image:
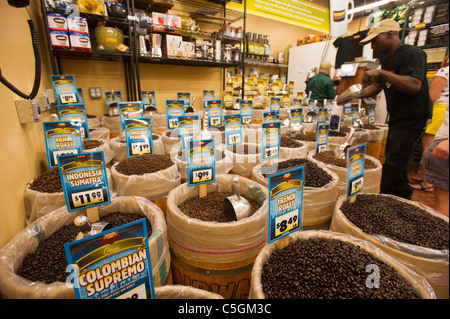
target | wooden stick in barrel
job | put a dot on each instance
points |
(92, 214)
(202, 190)
(283, 242)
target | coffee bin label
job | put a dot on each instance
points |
(109, 98)
(62, 138)
(129, 110)
(113, 264)
(270, 143)
(275, 105)
(188, 127)
(84, 180)
(297, 115)
(233, 129)
(269, 116)
(214, 113)
(208, 95)
(201, 162)
(285, 203)
(322, 137)
(148, 98)
(371, 114)
(185, 97)
(322, 115)
(75, 113)
(246, 109)
(355, 169)
(65, 89)
(174, 109)
(139, 138)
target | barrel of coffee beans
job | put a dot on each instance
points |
(93, 121)
(119, 146)
(211, 250)
(171, 140)
(99, 145)
(224, 163)
(329, 265)
(292, 148)
(45, 193)
(150, 175)
(33, 264)
(245, 156)
(159, 123)
(372, 136)
(410, 232)
(112, 123)
(310, 139)
(183, 292)
(319, 193)
(372, 170)
(99, 132)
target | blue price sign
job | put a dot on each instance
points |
(270, 143)
(139, 138)
(355, 169)
(84, 180)
(201, 162)
(285, 202)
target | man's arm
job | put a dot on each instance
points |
(403, 83)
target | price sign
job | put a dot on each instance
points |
(75, 113)
(113, 264)
(275, 105)
(201, 162)
(214, 113)
(109, 98)
(228, 99)
(208, 95)
(355, 169)
(129, 110)
(371, 114)
(148, 98)
(185, 97)
(322, 137)
(233, 129)
(65, 89)
(188, 126)
(297, 115)
(174, 109)
(285, 203)
(297, 102)
(62, 138)
(270, 143)
(322, 116)
(84, 180)
(139, 138)
(269, 116)
(246, 110)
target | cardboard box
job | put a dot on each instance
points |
(80, 40)
(77, 24)
(57, 21)
(59, 39)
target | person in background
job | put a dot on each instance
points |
(321, 85)
(403, 78)
(439, 96)
(436, 166)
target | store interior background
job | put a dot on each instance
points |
(23, 146)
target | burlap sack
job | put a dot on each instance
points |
(430, 263)
(421, 286)
(151, 185)
(244, 163)
(214, 242)
(38, 204)
(183, 292)
(372, 177)
(26, 241)
(99, 132)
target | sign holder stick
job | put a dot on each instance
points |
(202, 190)
(92, 214)
(283, 242)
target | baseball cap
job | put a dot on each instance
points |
(381, 27)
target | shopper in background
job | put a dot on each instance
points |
(439, 96)
(321, 85)
(436, 166)
(403, 78)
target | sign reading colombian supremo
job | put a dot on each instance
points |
(311, 14)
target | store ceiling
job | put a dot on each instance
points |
(390, 5)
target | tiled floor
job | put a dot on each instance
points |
(426, 198)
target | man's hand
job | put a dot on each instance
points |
(371, 76)
(441, 150)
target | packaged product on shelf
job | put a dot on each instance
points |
(173, 44)
(77, 24)
(80, 41)
(59, 39)
(204, 49)
(159, 20)
(57, 21)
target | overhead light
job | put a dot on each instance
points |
(369, 6)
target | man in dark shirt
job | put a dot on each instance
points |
(403, 79)
(321, 85)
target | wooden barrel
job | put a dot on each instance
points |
(214, 256)
(435, 270)
(318, 203)
(420, 285)
(26, 241)
(183, 292)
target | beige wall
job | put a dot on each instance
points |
(23, 145)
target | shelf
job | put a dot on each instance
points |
(188, 62)
(94, 54)
(268, 64)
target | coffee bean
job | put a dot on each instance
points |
(48, 262)
(313, 175)
(321, 268)
(143, 164)
(396, 219)
(328, 157)
(210, 207)
(48, 182)
(90, 144)
(288, 142)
